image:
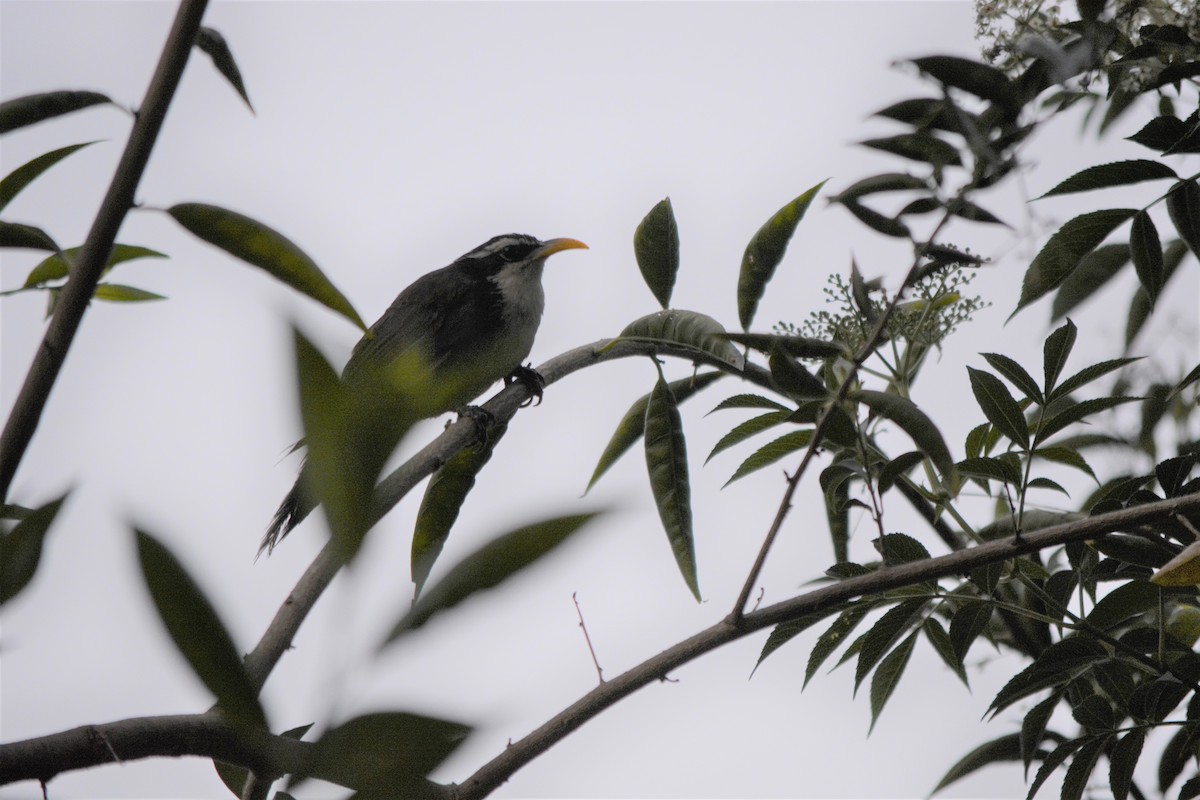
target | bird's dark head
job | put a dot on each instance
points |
(510, 253)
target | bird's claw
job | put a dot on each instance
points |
(531, 379)
(481, 418)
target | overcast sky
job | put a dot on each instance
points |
(390, 138)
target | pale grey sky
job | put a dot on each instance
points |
(390, 138)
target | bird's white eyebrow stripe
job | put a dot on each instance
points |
(491, 248)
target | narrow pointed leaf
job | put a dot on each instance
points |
(495, 562)
(1120, 173)
(1016, 375)
(1122, 759)
(771, 452)
(1093, 272)
(881, 223)
(1050, 763)
(21, 549)
(758, 401)
(197, 631)
(1076, 779)
(28, 172)
(764, 252)
(33, 108)
(58, 266)
(213, 43)
(887, 676)
(263, 247)
(1080, 411)
(898, 466)
(1055, 352)
(748, 428)
(914, 422)
(884, 633)
(887, 182)
(656, 248)
(666, 462)
(793, 378)
(444, 496)
(1087, 375)
(688, 328)
(784, 632)
(834, 637)
(967, 624)
(918, 147)
(16, 234)
(633, 424)
(386, 754)
(1064, 251)
(998, 751)
(940, 640)
(794, 346)
(1146, 249)
(120, 293)
(993, 469)
(1033, 726)
(1068, 456)
(982, 80)
(1183, 206)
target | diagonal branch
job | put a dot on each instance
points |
(85, 273)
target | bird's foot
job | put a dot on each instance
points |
(531, 379)
(482, 419)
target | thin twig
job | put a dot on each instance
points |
(86, 271)
(588, 639)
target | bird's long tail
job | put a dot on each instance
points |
(291, 512)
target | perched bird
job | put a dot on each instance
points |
(463, 327)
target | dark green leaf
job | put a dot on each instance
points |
(58, 266)
(488, 566)
(1066, 249)
(967, 624)
(1056, 351)
(900, 465)
(1180, 749)
(1052, 762)
(1016, 375)
(633, 424)
(1188, 380)
(1120, 173)
(1081, 767)
(998, 751)
(1080, 411)
(21, 549)
(1066, 455)
(1163, 133)
(1087, 375)
(834, 637)
(942, 645)
(750, 427)
(1139, 307)
(900, 548)
(968, 210)
(928, 112)
(1047, 483)
(884, 633)
(193, 625)
(213, 43)
(888, 226)
(234, 777)
(1134, 550)
(1095, 270)
(259, 245)
(1183, 206)
(688, 328)
(914, 422)
(444, 496)
(771, 452)
(982, 80)
(999, 406)
(119, 293)
(656, 248)
(793, 378)
(887, 182)
(784, 632)
(386, 752)
(16, 234)
(25, 174)
(27, 110)
(764, 252)
(666, 462)
(1127, 601)
(794, 346)
(887, 676)
(1122, 759)
(918, 147)
(987, 468)
(1147, 253)
(1033, 726)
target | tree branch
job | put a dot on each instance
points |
(85, 273)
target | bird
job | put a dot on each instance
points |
(464, 327)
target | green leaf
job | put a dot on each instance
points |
(58, 266)
(633, 424)
(1068, 456)
(887, 676)
(887, 182)
(918, 147)
(1079, 411)
(263, 247)
(1055, 352)
(488, 566)
(666, 462)
(1052, 762)
(764, 252)
(1122, 759)
(884, 633)
(1183, 206)
(784, 632)
(16, 234)
(119, 293)
(1120, 173)
(758, 401)
(21, 549)
(913, 421)
(968, 210)
(900, 548)
(1016, 375)
(928, 112)
(1139, 307)
(1076, 779)
(25, 174)
(881, 223)
(1033, 726)
(1047, 483)
(213, 43)
(793, 378)
(1130, 600)
(1147, 253)
(748, 428)
(834, 636)
(993, 469)
(687, 328)
(444, 496)
(900, 465)
(386, 752)
(771, 452)
(997, 751)
(1087, 375)
(235, 777)
(942, 645)
(794, 346)
(1093, 272)
(197, 631)
(656, 247)
(967, 624)
(33, 108)
(1066, 249)
(982, 80)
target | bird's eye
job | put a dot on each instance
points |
(513, 252)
